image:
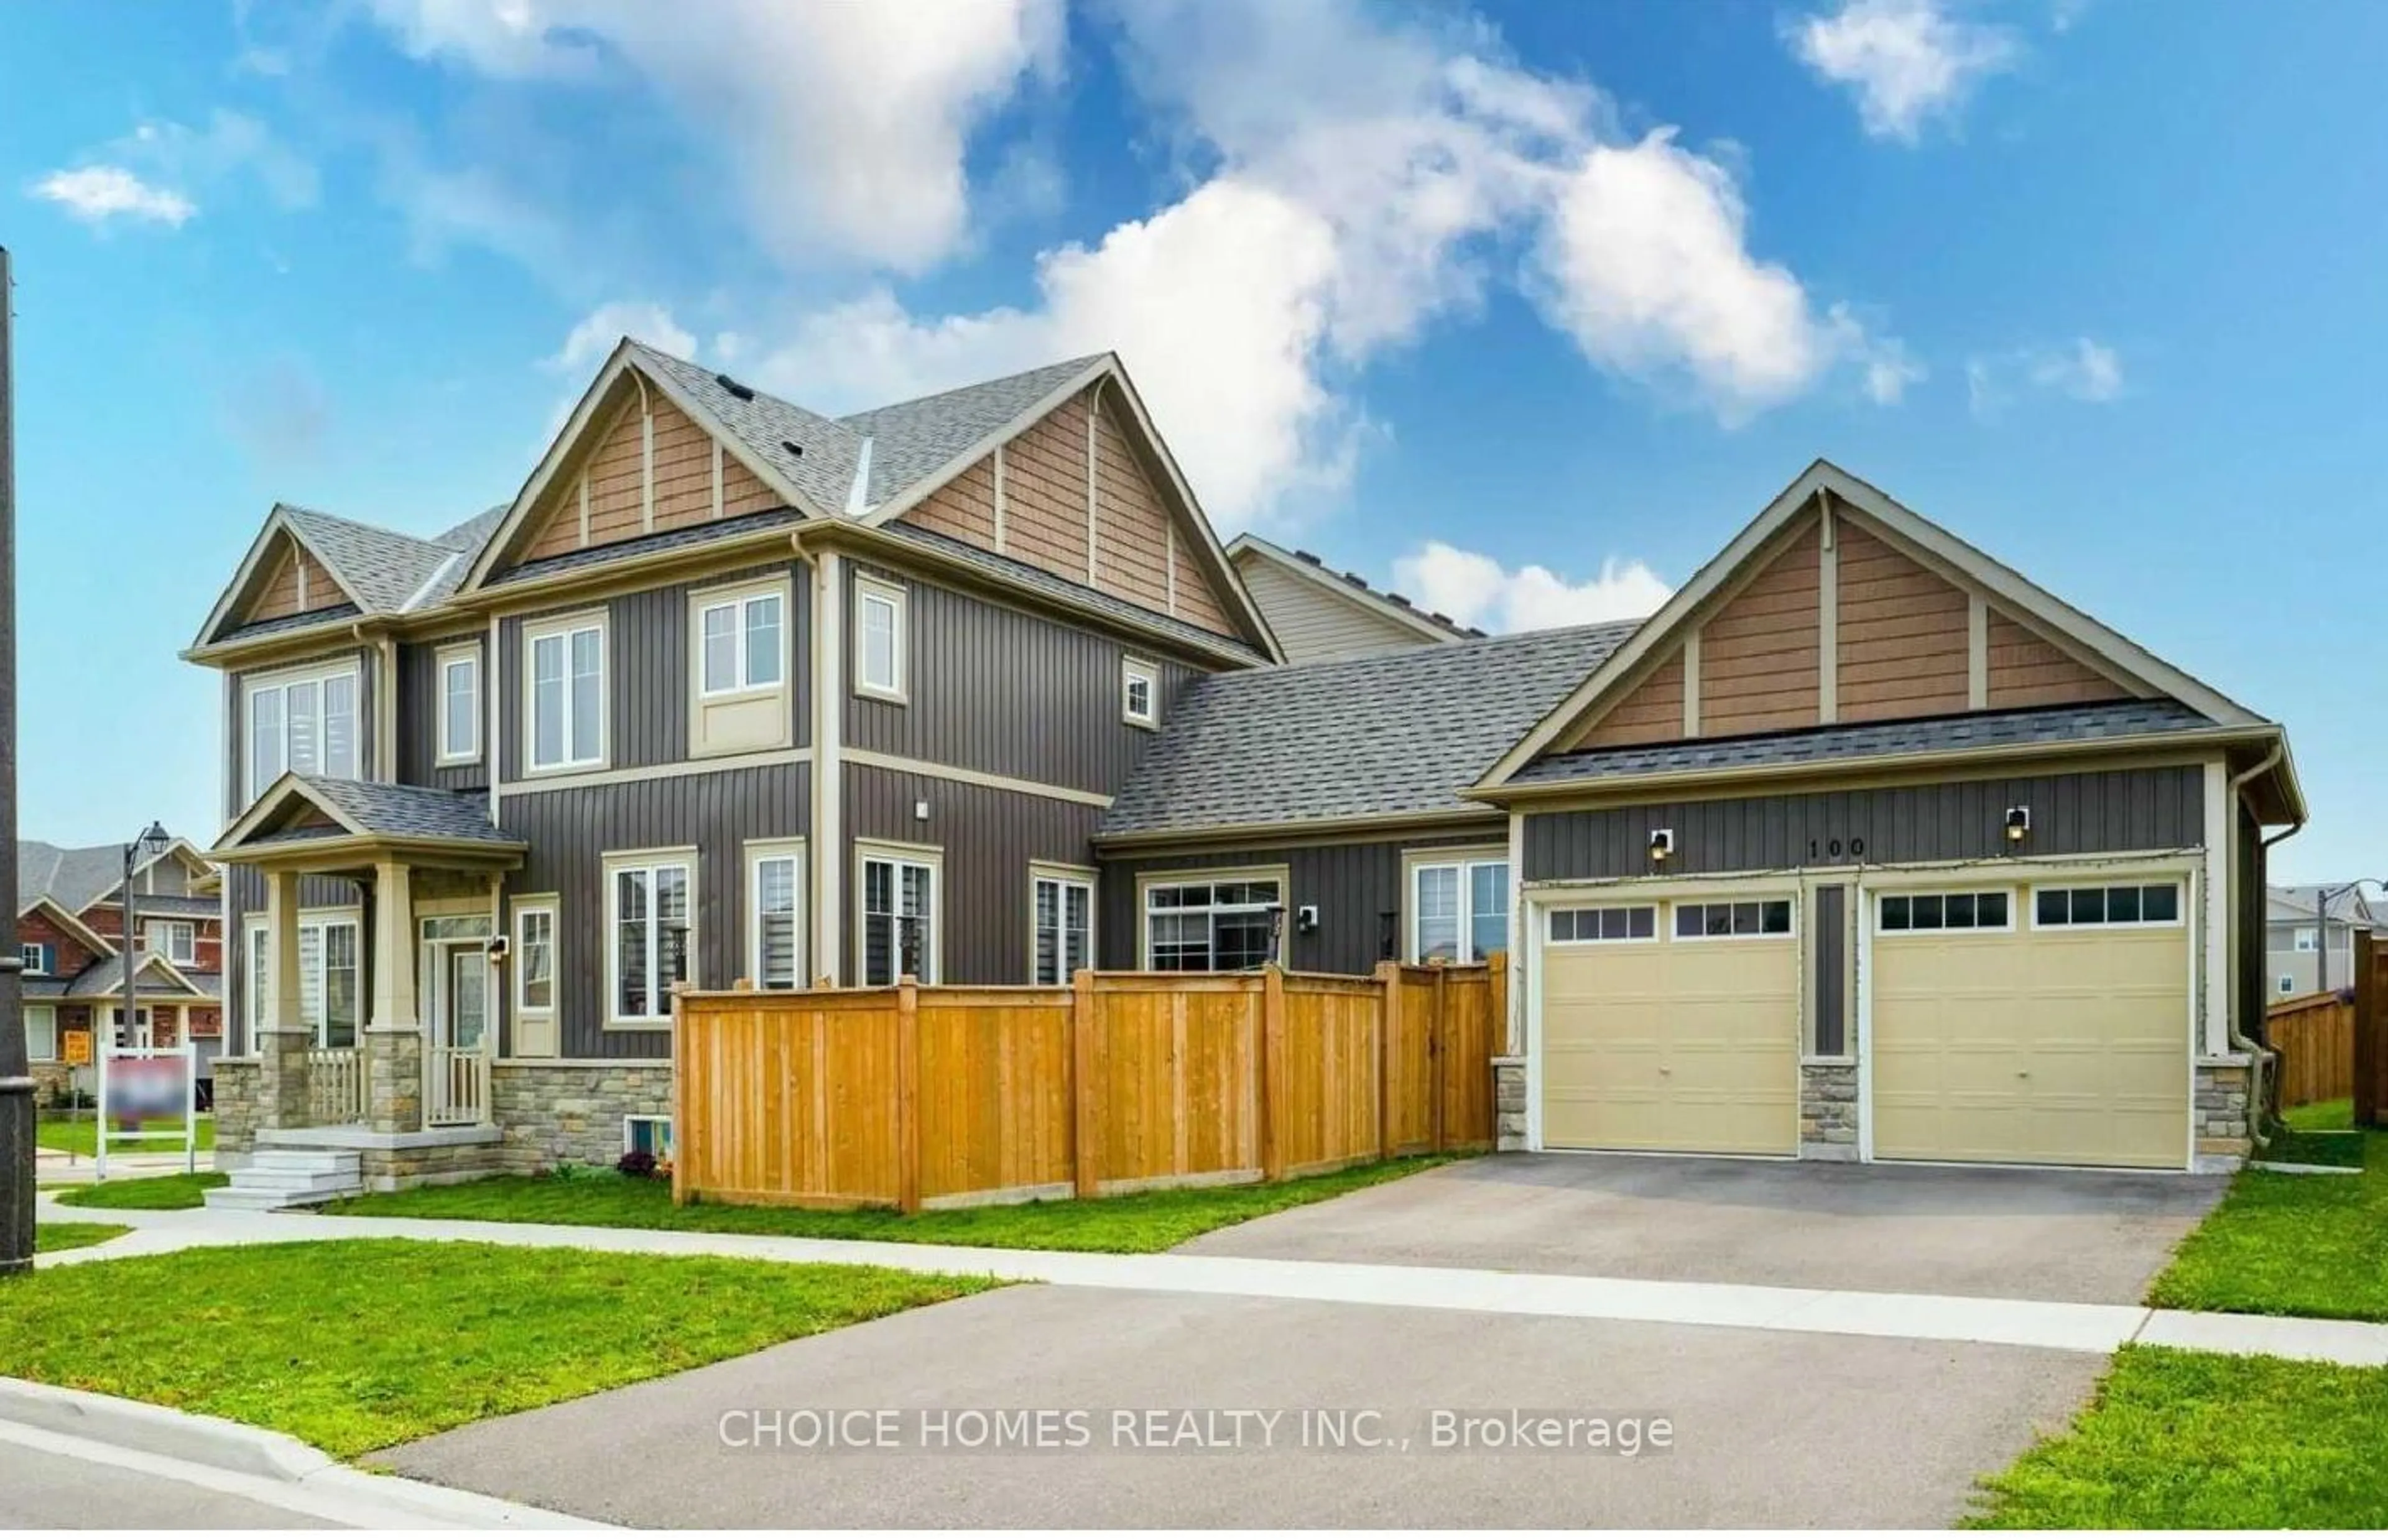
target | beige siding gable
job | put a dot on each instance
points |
(294, 583)
(1312, 622)
(1652, 712)
(647, 467)
(1904, 649)
(2025, 670)
(1759, 669)
(1071, 494)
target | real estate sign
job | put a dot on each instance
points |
(147, 1086)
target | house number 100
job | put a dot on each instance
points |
(1834, 848)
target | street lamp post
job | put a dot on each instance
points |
(16, 1069)
(147, 848)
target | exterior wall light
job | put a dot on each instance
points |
(2018, 823)
(1662, 845)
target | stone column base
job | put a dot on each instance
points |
(1828, 1112)
(1509, 1103)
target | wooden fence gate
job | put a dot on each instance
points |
(2314, 1035)
(935, 1095)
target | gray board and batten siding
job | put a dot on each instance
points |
(421, 711)
(2077, 814)
(1830, 943)
(1356, 887)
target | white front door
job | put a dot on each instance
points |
(456, 1060)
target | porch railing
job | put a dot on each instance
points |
(335, 1086)
(458, 1083)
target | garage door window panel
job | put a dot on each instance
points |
(1742, 919)
(1621, 922)
(2110, 904)
(1941, 911)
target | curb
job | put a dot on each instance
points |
(2289, 1168)
(159, 1430)
(269, 1467)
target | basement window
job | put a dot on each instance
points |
(643, 1134)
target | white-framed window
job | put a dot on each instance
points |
(328, 977)
(2288, 985)
(261, 982)
(647, 1133)
(1738, 919)
(306, 723)
(1212, 924)
(41, 1034)
(775, 911)
(2308, 938)
(1061, 923)
(535, 958)
(897, 898)
(879, 640)
(1993, 909)
(176, 940)
(36, 956)
(650, 925)
(742, 642)
(565, 661)
(1459, 908)
(460, 703)
(2122, 903)
(1605, 922)
(1139, 693)
(138, 1037)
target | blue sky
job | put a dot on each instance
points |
(1523, 308)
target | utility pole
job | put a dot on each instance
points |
(16, 1070)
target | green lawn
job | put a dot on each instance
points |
(1136, 1223)
(2323, 1115)
(355, 1345)
(55, 1132)
(2290, 1246)
(182, 1190)
(2178, 1440)
(74, 1233)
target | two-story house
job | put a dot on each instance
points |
(1863, 846)
(71, 929)
(2305, 952)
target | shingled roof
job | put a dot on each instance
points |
(913, 440)
(418, 812)
(1393, 735)
(1872, 741)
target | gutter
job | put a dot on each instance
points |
(2259, 1055)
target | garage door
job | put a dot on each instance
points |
(1671, 1027)
(2033, 1026)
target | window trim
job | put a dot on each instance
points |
(174, 929)
(49, 1013)
(550, 905)
(2306, 939)
(610, 864)
(898, 597)
(1885, 895)
(2288, 984)
(930, 856)
(1146, 881)
(735, 597)
(279, 683)
(1134, 671)
(443, 659)
(1552, 911)
(2180, 905)
(1063, 872)
(566, 627)
(1466, 858)
(1676, 937)
(752, 853)
(36, 957)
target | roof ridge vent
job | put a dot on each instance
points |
(743, 392)
(792, 447)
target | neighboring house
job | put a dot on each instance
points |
(1320, 613)
(70, 927)
(1862, 845)
(2294, 956)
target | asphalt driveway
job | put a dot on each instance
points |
(2092, 1237)
(1769, 1428)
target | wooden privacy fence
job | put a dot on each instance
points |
(933, 1095)
(2314, 1035)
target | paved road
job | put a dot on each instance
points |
(43, 1489)
(1771, 1429)
(2089, 1237)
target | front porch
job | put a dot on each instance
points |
(397, 1091)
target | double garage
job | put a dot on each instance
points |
(1989, 1015)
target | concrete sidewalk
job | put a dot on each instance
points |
(2069, 1327)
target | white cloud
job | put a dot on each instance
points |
(846, 124)
(1906, 60)
(594, 338)
(98, 194)
(2087, 371)
(1475, 589)
(1888, 370)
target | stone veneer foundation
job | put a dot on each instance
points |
(554, 1113)
(1509, 1103)
(236, 1083)
(1828, 1111)
(2220, 1113)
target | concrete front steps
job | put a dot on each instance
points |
(291, 1179)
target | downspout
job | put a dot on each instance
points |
(2259, 1056)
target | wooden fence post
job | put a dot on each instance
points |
(679, 1147)
(1272, 1072)
(1389, 1031)
(1086, 1126)
(907, 1095)
(2370, 956)
(1437, 1048)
